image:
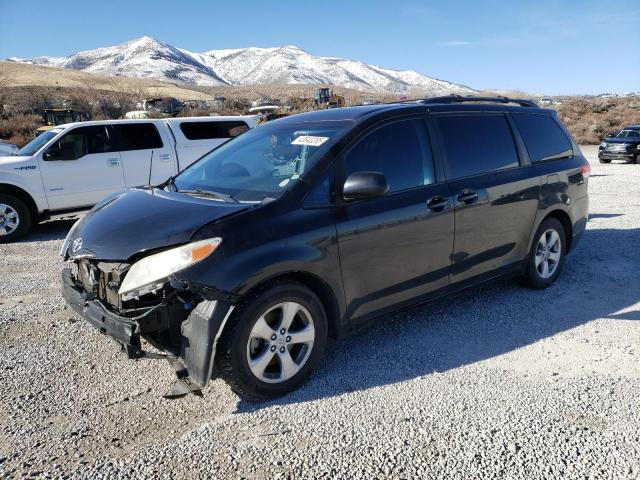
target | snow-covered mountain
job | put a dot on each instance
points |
(146, 57)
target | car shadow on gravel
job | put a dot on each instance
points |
(604, 215)
(50, 230)
(481, 323)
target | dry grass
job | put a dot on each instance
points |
(19, 129)
(590, 120)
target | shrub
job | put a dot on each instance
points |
(19, 129)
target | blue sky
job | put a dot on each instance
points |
(543, 46)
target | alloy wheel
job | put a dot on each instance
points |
(548, 253)
(9, 219)
(280, 342)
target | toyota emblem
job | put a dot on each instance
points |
(77, 245)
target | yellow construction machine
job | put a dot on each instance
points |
(325, 98)
(58, 116)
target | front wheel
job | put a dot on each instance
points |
(604, 160)
(15, 218)
(547, 255)
(276, 339)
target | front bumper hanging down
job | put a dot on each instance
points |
(199, 334)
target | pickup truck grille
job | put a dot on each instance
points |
(618, 147)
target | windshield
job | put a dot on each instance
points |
(34, 145)
(261, 163)
(628, 133)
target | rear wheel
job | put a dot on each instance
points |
(547, 254)
(15, 218)
(276, 339)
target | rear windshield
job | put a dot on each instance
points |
(211, 130)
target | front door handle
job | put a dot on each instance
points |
(468, 197)
(437, 204)
(113, 162)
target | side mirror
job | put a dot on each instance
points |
(361, 185)
(53, 153)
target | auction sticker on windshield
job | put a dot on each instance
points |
(310, 140)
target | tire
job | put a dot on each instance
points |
(250, 345)
(604, 160)
(15, 218)
(554, 256)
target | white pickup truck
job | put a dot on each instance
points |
(71, 167)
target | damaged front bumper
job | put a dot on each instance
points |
(187, 334)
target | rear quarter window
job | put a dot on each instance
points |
(212, 130)
(137, 136)
(477, 144)
(543, 137)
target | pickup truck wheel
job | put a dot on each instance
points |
(276, 339)
(547, 255)
(15, 218)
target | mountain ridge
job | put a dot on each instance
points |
(146, 57)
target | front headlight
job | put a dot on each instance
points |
(160, 265)
(603, 144)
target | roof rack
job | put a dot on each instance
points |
(461, 99)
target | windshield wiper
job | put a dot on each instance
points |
(172, 183)
(210, 193)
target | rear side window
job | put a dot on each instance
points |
(477, 144)
(137, 136)
(543, 137)
(399, 150)
(211, 130)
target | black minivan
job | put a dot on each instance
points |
(313, 225)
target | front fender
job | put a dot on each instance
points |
(31, 186)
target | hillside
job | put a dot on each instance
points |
(13, 74)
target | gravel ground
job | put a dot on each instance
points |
(497, 382)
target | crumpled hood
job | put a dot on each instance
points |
(139, 220)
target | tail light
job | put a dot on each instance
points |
(585, 169)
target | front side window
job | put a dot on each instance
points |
(262, 163)
(544, 139)
(137, 136)
(80, 142)
(476, 144)
(399, 150)
(211, 130)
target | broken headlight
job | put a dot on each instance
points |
(151, 272)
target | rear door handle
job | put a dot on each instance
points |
(437, 204)
(468, 197)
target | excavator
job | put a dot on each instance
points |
(325, 98)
